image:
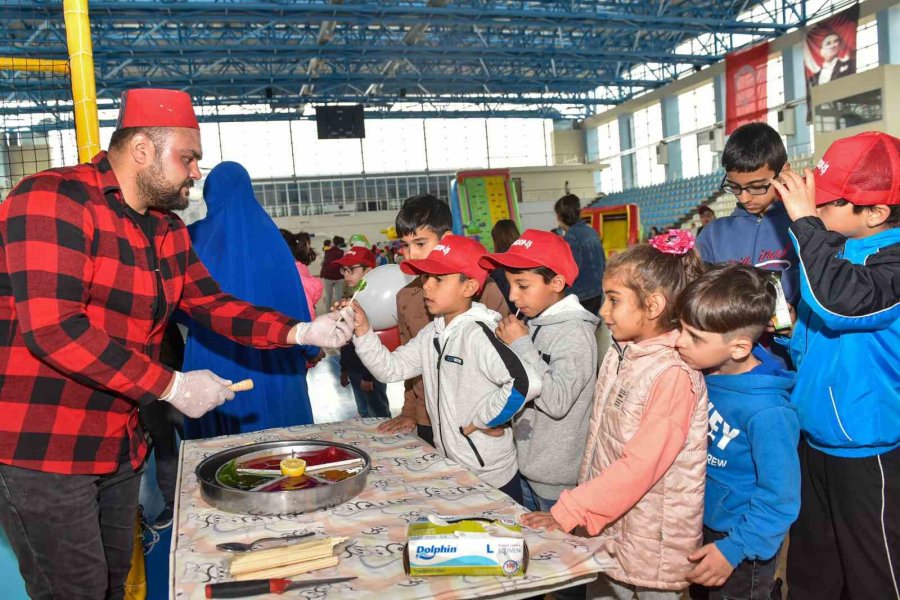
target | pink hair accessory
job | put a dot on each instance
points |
(674, 241)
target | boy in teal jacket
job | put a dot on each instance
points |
(845, 345)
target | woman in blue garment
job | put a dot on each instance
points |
(243, 250)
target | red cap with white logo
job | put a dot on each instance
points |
(863, 169)
(454, 254)
(357, 255)
(534, 249)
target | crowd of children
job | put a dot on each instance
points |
(679, 447)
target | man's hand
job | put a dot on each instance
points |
(713, 570)
(401, 424)
(510, 329)
(367, 386)
(328, 331)
(540, 520)
(197, 392)
(345, 379)
(798, 193)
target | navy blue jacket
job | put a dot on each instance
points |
(846, 339)
(587, 249)
(748, 239)
(752, 468)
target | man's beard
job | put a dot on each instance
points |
(158, 192)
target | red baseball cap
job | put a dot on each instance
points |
(533, 249)
(863, 169)
(357, 255)
(153, 107)
(454, 254)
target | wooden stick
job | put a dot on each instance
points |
(241, 386)
(256, 560)
(290, 570)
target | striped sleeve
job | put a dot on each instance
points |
(517, 383)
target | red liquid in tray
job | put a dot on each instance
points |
(313, 458)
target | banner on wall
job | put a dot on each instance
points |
(746, 99)
(831, 47)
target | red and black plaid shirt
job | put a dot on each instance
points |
(78, 339)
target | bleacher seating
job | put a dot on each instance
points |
(666, 204)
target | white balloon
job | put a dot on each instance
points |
(379, 299)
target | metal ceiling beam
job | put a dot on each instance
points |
(683, 18)
(105, 52)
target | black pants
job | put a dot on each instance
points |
(513, 488)
(751, 580)
(845, 544)
(426, 432)
(72, 534)
(162, 421)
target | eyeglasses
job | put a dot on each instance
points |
(757, 189)
(348, 270)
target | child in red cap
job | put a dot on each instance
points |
(559, 343)
(370, 394)
(474, 384)
(844, 343)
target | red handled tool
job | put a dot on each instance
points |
(255, 587)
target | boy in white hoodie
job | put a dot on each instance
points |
(474, 384)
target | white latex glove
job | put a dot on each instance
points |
(195, 393)
(327, 331)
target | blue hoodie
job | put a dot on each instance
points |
(748, 239)
(845, 342)
(752, 468)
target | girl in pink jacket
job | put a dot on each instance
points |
(642, 475)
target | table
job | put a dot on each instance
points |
(409, 479)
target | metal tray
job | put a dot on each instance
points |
(278, 503)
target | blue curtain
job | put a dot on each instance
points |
(243, 250)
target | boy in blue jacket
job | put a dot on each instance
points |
(846, 542)
(752, 470)
(756, 233)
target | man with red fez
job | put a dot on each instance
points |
(92, 265)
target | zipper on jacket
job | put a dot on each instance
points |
(621, 353)
(472, 446)
(440, 351)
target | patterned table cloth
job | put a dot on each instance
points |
(409, 479)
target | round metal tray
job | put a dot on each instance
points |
(278, 503)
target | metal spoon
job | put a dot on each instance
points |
(267, 542)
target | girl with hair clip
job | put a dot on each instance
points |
(642, 477)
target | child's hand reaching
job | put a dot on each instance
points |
(362, 321)
(493, 432)
(798, 193)
(540, 520)
(713, 570)
(510, 329)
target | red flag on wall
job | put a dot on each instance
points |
(746, 99)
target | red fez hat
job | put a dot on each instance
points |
(150, 107)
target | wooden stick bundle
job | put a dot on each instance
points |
(286, 561)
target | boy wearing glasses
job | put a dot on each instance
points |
(370, 394)
(756, 233)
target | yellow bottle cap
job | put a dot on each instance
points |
(293, 467)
